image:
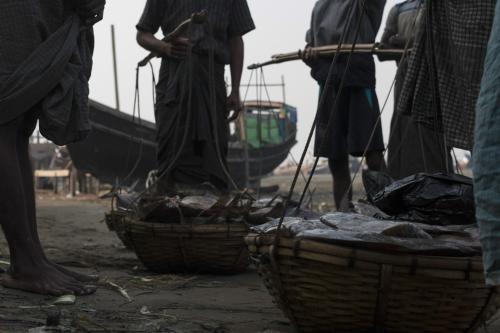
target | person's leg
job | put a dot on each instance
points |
(22, 145)
(375, 161)
(332, 143)
(342, 191)
(29, 270)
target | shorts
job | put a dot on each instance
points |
(354, 120)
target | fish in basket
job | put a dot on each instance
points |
(191, 232)
(353, 273)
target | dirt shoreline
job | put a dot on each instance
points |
(74, 234)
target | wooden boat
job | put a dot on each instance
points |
(41, 152)
(121, 150)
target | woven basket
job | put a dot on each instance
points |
(115, 220)
(327, 288)
(197, 248)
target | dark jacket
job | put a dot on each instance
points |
(328, 20)
(402, 23)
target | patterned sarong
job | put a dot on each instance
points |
(446, 67)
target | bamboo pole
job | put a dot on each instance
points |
(328, 51)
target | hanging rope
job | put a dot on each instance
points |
(132, 138)
(322, 101)
(188, 114)
(335, 103)
(274, 254)
(212, 114)
(141, 139)
(372, 135)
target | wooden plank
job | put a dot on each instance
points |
(51, 173)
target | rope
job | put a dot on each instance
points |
(322, 101)
(258, 91)
(275, 254)
(213, 112)
(183, 141)
(372, 135)
(303, 176)
(136, 108)
(335, 103)
(141, 139)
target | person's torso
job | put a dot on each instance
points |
(329, 20)
(407, 18)
(24, 25)
(218, 21)
(330, 17)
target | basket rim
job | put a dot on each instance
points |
(470, 267)
(227, 227)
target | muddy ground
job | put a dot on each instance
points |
(74, 235)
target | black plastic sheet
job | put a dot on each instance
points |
(436, 199)
(366, 232)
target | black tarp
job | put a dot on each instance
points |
(438, 199)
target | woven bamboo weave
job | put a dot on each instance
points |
(189, 247)
(327, 288)
(115, 220)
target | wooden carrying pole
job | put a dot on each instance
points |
(329, 50)
(196, 18)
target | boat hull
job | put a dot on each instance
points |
(121, 150)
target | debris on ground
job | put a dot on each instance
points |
(65, 300)
(113, 286)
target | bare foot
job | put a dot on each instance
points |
(77, 276)
(46, 280)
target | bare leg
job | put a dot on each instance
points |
(28, 186)
(29, 270)
(375, 161)
(342, 192)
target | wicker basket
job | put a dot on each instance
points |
(115, 220)
(327, 288)
(197, 248)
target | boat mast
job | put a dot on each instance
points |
(115, 68)
(283, 87)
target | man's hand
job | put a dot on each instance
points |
(234, 104)
(398, 41)
(90, 11)
(310, 54)
(177, 49)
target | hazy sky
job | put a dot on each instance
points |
(281, 27)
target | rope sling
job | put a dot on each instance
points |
(186, 92)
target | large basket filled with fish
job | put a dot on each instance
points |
(202, 233)
(412, 267)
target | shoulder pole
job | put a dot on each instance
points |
(328, 51)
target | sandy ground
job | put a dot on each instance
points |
(320, 193)
(73, 233)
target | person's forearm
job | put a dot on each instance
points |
(148, 41)
(237, 48)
